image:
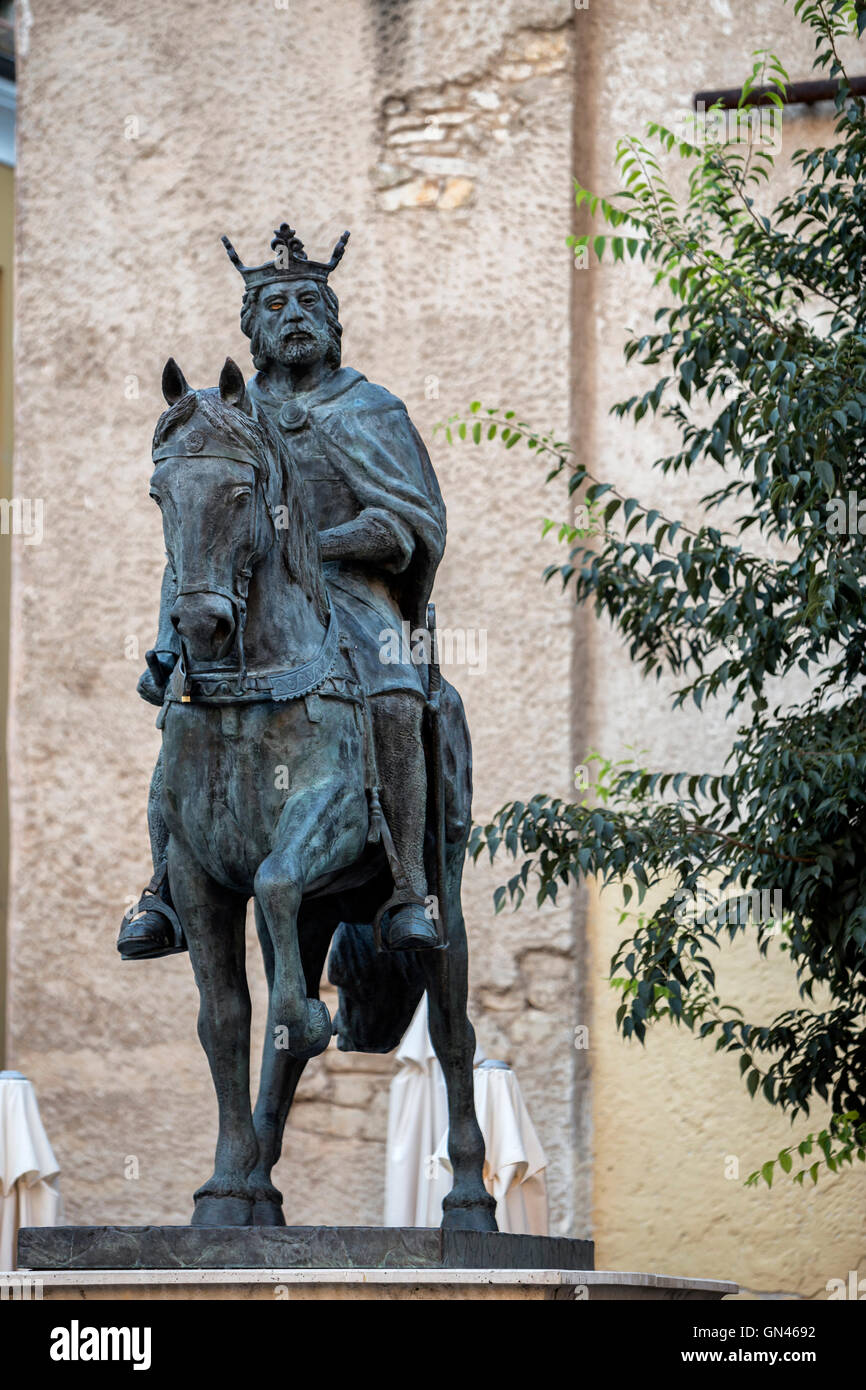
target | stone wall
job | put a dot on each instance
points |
(146, 132)
(675, 1134)
(435, 139)
(7, 241)
(445, 134)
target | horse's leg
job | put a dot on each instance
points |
(281, 1072)
(213, 921)
(468, 1206)
(322, 829)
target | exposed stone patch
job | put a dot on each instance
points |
(435, 139)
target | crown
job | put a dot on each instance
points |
(290, 261)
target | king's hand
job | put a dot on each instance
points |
(152, 682)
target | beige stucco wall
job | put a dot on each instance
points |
(7, 245)
(241, 114)
(672, 1121)
(145, 133)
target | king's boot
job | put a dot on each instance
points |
(151, 929)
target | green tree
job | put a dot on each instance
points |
(763, 348)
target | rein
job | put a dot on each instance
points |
(220, 686)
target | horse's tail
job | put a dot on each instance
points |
(379, 990)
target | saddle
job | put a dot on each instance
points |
(152, 929)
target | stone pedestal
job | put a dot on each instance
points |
(291, 1247)
(322, 1263)
(385, 1285)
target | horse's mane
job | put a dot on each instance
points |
(298, 538)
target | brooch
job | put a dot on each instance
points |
(292, 416)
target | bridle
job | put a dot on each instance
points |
(215, 685)
(236, 596)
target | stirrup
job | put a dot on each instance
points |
(161, 936)
(403, 924)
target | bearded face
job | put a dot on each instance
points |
(293, 325)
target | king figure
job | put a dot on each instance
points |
(381, 520)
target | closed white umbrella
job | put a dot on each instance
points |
(514, 1160)
(417, 1172)
(29, 1172)
(415, 1182)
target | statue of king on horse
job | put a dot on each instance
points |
(374, 496)
(300, 767)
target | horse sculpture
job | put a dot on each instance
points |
(269, 792)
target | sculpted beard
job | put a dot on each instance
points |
(269, 345)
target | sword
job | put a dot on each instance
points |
(436, 774)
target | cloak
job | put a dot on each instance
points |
(364, 438)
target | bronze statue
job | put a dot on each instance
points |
(303, 525)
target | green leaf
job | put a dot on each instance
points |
(750, 387)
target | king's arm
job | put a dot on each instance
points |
(374, 537)
(161, 659)
(382, 459)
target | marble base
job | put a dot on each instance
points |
(148, 1248)
(384, 1285)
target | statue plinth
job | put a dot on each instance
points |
(43, 1248)
(367, 1263)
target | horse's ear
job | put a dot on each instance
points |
(232, 388)
(174, 383)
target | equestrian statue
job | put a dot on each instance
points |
(302, 765)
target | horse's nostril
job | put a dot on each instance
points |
(206, 624)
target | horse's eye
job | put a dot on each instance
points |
(242, 495)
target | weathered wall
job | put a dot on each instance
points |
(7, 242)
(145, 133)
(445, 135)
(670, 1118)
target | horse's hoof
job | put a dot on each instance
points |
(267, 1202)
(222, 1211)
(471, 1216)
(266, 1213)
(315, 1036)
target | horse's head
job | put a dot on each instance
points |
(208, 462)
(219, 475)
